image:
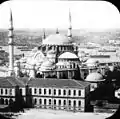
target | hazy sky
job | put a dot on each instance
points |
(52, 14)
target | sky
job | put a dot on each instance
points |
(39, 14)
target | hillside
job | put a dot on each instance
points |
(34, 37)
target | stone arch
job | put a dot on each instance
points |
(38, 53)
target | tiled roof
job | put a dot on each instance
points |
(59, 83)
(10, 82)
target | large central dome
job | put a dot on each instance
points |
(56, 39)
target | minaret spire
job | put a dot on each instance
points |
(57, 32)
(44, 34)
(69, 27)
(11, 46)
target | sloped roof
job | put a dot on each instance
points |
(58, 83)
(10, 82)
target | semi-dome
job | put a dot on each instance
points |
(94, 77)
(92, 62)
(56, 39)
(68, 55)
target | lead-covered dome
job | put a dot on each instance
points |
(94, 77)
(56, 39)
(68, 55)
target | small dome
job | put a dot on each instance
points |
(68, 55)
(94, 77)
(47, 65)
(56, 39)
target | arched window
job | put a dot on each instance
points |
(49, 101)
(69, 92)
(69, 102)
(40, 91)
(35, 91)
(64, 102)
(49, 91)
(35, 101)
(30, 90)
(59, 92)
(44, 91)
(74, 103)
(1, 91)
(45, 101)
(74, 92)
(79, 92)
(54, 102)
(40, 101)
(64, 92)
(59, 102)
(54, 91)
(79, 103)
(6, 91)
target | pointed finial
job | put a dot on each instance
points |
(11, 20)
(57, 32)
(69, 34)
(44, 35)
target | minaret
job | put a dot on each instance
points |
(57, 32)
(11, 46)
(69, 34)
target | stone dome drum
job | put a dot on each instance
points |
(56, 39)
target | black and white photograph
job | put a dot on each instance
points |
(59, 60)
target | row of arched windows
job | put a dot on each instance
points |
(6, 101)
(54, 102)
(4, 91)
(60, 92)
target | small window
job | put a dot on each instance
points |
(44, 91)
(64, 102)
(79, 92)
(49, 91)
(64, 92)
(35, 90)
(5, 91)
(54, 91)
(74, 92)
(45, 101)
(54, 102)
(35, 101)
(10, 92)
(49, 101)
(59, 92)
(30, 90)
(69, 102)
(40, 101)
(59, 102)
(40, 91)
(74, 103)
(79, 103)
(69, 92)
(1, 91)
